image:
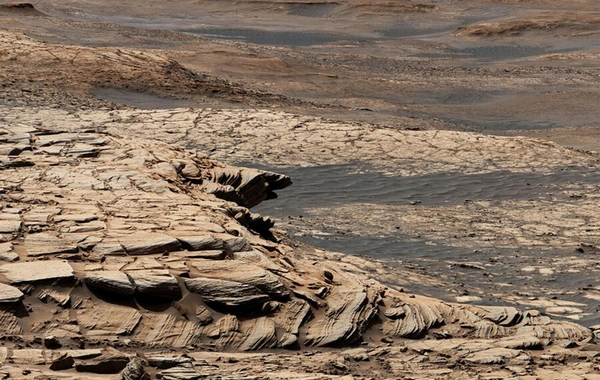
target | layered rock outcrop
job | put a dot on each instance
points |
(109, 242)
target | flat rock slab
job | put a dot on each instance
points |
(43, 244)
(149, 243)
(9, 293)
(155, 283)
(10, 226)
(36, 270)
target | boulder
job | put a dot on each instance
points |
(115, 282)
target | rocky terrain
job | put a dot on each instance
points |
(123, 254)
(133, 156)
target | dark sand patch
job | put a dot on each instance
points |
(523, 276)
(140, 99)
(345, 184)
(275, 38)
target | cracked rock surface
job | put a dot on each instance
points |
(109, 247)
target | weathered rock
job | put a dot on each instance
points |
(504, 316)
(520, 342)
(260, 335)
(30, 356)
(493, 356)
(108, 320)
(42, 244)
(343, 324)
(36, 270)
(65, 361)
(228, 332)
(143, 263)
(418, 318)
(9, 294)
(184, 371)
(115, 282)
(246, 187)
(395, 312)
(201, 242)
(288, 340)
(141, 243)
(228, 294)
(166, 330)
(144, 214)
(203, 315)
(111, 361)
(7, 253)
(10, 226)
(61, 296)
(208, 255)
(9, 324)
(77, 354)
(52, 342)
(165, 362)
(155, 283)
(292, 315)
(237, 244)
(134, 370)
(310, 297)
(231, 270)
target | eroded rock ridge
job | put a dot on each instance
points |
(121, 242)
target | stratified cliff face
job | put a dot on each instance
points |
(121, 242)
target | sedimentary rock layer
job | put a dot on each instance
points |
(108, 240)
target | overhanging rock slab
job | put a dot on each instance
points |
(9, 294)
(36, 270)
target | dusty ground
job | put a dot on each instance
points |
(407, 91)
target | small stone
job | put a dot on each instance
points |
(52, 342)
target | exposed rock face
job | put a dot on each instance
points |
(9, 293)
(246, 187)
(229, 294)
(36, 271)
(111, 281)
(248, 274)
(137, 243)
(155, 283)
